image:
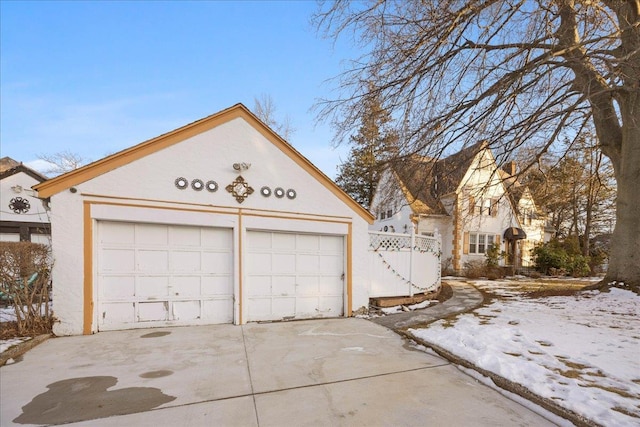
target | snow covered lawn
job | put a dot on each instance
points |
(582, 351)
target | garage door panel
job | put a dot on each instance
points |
(117, 260)
(117, 232)
(185, 286)
(118, 287)
(185, 261)
(151, 234)
(330, 263)
(117, 313)
(186, 310)
(260, 286)
(152, 286)
(218, 238)
(217, 311)
(282, 285)
(184, 236)
(216, 286)
(306, 264)
(152, 260)
(283, 263)
(153, 311)
(307, 285)
(217, 262)
(284, 306)
(332, 244)
(278, 241)
(260, 264)
(308, 242)
(331, 305)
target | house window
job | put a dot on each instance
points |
(479, 243)
(484, 206)
(389, 213)
(383, 215)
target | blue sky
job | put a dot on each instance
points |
(97, 77)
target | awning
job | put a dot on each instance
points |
(514, 233)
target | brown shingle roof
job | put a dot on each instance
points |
(425, 181)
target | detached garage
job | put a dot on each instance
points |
(220, 221)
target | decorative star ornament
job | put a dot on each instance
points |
(239, 189)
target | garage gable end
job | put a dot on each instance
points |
(144, 149)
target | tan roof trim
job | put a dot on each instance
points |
(109, 163)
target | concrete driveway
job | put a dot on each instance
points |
(317, 372)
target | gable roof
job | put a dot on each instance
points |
(424, 181)
(109, 163)
(9, 167)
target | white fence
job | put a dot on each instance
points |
(403, 264)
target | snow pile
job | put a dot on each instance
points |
(7, 344)
(580, 351)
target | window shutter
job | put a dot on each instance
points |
(465, 243)
(472, 205)
(494, 208)
(498, 241)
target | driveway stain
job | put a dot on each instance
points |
(155, 334)
(88, 398)
(156, 374)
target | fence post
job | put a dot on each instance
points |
(411, 250)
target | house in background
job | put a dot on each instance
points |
(467, 199)
(219, 221)
(23, 217)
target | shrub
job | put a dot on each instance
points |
(561, 258)
(25, 283)
(494, 255)
(475, 269)
(550, 255)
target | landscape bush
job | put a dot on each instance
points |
(560, 258)
(25, 284)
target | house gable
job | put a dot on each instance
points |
(191, 131)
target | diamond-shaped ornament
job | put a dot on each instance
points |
(239, 189)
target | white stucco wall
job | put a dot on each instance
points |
(19, 185)
(145, 190)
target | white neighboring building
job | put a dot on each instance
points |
(219, 221)
(467, 199)
(23, 217)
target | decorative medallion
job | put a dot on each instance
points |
(279, 192)
(197, 184)
(182, 183)
(239, 189)
(265, 191)
(291, 193)
(19, 205)
(212, 186)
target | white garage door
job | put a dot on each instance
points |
(154, 274)
(294, 276)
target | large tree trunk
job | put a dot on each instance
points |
(624, 265)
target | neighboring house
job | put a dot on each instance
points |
(23, 217)
(466, 198)
(219, 221)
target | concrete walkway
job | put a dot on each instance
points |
(338, 372)
(465, 298)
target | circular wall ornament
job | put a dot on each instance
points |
(212, 186)
(279, 193)
(182, 183)
(197, 184)
(265, 191)
(19, 205)
(291, 193)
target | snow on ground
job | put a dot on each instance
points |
(582, 351)
(7, 344)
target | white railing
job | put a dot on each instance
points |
(403, 264)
